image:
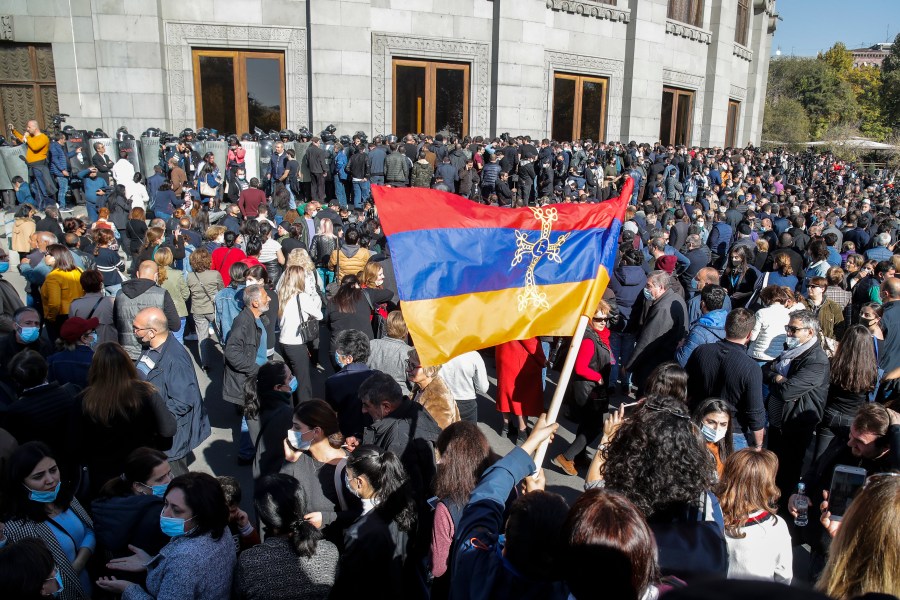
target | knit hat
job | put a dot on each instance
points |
(75, 327)
(666, 263)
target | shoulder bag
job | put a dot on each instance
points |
(308, 329)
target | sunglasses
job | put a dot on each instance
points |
(658, 408)
(600, 319)
(412, 367)
(876, 478)
(792, 329)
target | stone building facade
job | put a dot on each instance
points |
(690, 71)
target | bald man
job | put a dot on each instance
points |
(38, 147)
(136, 295)
(34, 269)
(705, 276)
(166, 364)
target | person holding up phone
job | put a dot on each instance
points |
(874, 445)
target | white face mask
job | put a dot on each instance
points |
(792, 342)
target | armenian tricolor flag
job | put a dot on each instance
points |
(471, 276)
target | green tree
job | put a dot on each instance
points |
(827, 99)
(786, 122)
(890, 86)
(865, 82)
(839, 59)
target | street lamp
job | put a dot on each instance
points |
(778, 51)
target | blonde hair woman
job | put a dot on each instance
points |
(432, 393)
(865, 552)
(298, 302)
(172, 280)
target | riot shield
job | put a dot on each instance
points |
(265, 158)
(329, 161)
(75, 141)
(5, 179)
(14, 161)
(219, 148)
(149, 155)
(251, 159)
(132, 150)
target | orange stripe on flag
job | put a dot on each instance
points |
(458, 324)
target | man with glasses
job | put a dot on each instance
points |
(874, 445)
(798, 386)
(166, 364)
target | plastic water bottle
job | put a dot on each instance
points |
(801, 503)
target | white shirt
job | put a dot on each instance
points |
(137, 193)
(123, 171)
(768, 334)
(465, 376)
(765, 552)
(310, 304)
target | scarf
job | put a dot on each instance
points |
(604, 339)
(783, 362)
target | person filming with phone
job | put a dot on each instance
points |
(873, 447)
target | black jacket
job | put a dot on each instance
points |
(45, 414)
(805, 390)
(268, 430)
(316, 159)
(341, 393)
(665, 324)
(240, 356)
(125, 520)
(374, 551)
(52, 225)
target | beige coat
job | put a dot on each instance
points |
(21, 240)
(349, 265)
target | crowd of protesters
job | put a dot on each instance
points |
(750, 325)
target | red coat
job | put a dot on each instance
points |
(519, 385)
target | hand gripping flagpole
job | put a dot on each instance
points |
(561, 385)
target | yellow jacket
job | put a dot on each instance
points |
(58, 291)
(38, 146)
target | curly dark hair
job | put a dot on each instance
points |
(658, 460)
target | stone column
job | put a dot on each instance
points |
(645, 45)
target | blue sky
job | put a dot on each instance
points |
(813, 25)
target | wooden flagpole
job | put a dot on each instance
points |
(562, 384)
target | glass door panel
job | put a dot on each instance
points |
(592, 109)
(217, 93)
(450, 101)
(665, 119)
(563, 108)
(409, 99)
(264, 93)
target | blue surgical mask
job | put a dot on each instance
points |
(30, 334)
(293, 384)
(58, 577)
(353, 491)
(94, 339)
(648, 295)
(337, 359)
(158, 490)
(172, 526)
(712, 435)
(4, 267)
(295, 439)
(43, 497)
(791, 343)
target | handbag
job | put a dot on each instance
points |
(308, 329)
(378, 321)
(693, 547)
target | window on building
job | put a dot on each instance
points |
(430, 97)
(27, 85)
(579, 107)
(238, 90)
(731, 125)
(687, 11)
(676, 119)
(742, 27)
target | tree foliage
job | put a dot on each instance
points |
(785, 122)
(890, 86)
(839, 59)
